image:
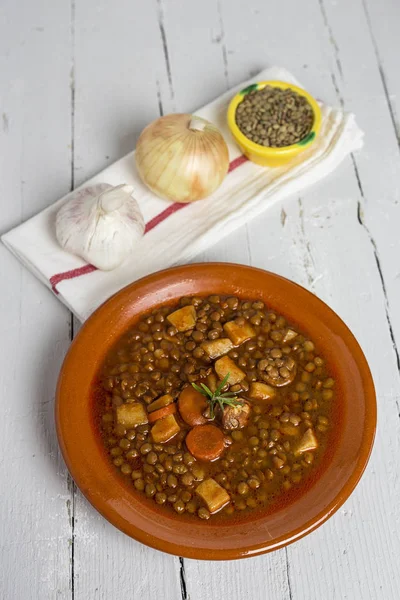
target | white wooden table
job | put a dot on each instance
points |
(79, 79)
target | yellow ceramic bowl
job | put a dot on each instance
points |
(272, 157)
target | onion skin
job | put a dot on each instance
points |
(179, 163)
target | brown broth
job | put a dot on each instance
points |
(126, 372)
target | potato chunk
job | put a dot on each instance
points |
(131, 415)
(165, 429)
(225, 365)
(287, 429)
(160, 403)
(239, 333)
(308, 442)
(213, 495)
(261, 391)
(289, 336)
(184, 318)
(217, 348)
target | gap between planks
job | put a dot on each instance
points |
(71, 482)
(72, 489)
(361, 200)
(360, 218)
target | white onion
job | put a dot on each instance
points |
(182, 157)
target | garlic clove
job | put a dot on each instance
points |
(101, 224)
(113, 199)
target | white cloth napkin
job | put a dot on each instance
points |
(175, 233)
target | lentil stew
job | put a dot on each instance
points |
(216, 407)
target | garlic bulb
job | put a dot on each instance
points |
(182, 157)
(101, 224)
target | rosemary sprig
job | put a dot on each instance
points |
(214, 398)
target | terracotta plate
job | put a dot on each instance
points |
(105, 488)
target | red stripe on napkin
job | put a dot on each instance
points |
(237, 162)
(173, 208)
(70, 275)
(162, 216)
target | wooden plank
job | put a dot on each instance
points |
(339, 560)
(35, 530)
(192, 54)
(266, 576)
(360, 87)
(198, 77)
(119, 69)
(116, 95)
(364, 89)
(323, 246)
(262, 577)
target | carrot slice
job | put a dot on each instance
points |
(205, 442)
(162, 412)
(191, 406)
